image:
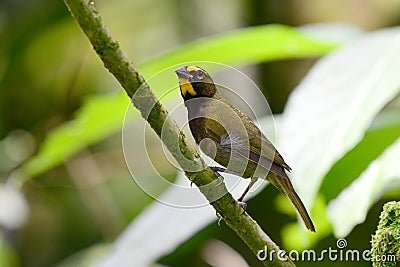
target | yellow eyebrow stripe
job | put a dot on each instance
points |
(186, 87)
(192, 68)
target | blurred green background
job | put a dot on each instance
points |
(48, 71)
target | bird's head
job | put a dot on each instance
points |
(195, 82)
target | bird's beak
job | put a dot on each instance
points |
(184, 81)
(183, 73)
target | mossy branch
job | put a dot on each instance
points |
(144, 100)
(385, 251)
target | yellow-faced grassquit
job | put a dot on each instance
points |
(232, 139)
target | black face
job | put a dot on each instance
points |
(195, 82)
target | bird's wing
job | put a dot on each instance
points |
(254, 147)
(259, 148)
(260, 145)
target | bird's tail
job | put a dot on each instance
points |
(285, 186)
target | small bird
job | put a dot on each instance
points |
(232, 139)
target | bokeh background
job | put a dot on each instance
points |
(85, 200)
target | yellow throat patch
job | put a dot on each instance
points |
(186, 87)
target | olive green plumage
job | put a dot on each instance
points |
(231, 138)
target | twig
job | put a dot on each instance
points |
(117, 63)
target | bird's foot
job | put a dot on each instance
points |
(220, 218)
(217, 169)
(219, 176)
(220, 179)
(242, 204)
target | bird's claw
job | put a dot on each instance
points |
(243, 205)
(220, 218)
(220, 179)
(219, 176)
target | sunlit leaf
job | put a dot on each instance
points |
(328, 113)
(85, 257)
(294, 238)
(384, 130)
(98, 118)
(14, 209)
(159, 229)
(249, 45)
(351, 206)
(8, 257)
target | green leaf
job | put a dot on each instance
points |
(140, 241)
(98, 118)
(85, 257)
(382, 175)
(102, 116)
(385, 129)
(8, 257)
(292, 235)
(329, 112)
(245, 46)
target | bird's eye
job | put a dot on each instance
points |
(200, 74)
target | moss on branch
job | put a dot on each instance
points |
(386, 241)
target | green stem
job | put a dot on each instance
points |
(138, 90)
